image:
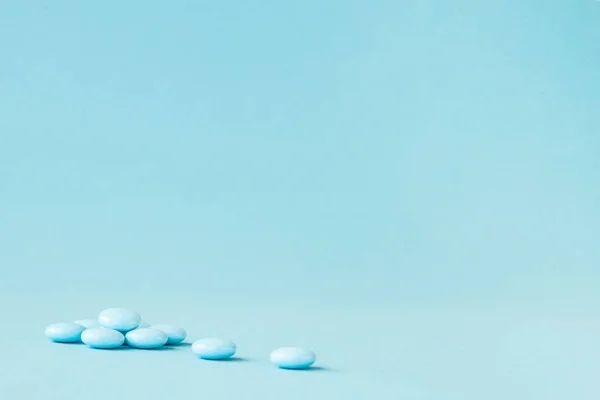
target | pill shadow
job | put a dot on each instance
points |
(183, 345)
(70, 343)
(129, 348)
(163, 348)
(309, 369)
(120, 348)
(319, 369)
(229, 360)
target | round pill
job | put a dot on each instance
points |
(176, 335)
(102, 338)
(88, 323)
(120, 319)
(214, 348)
(293, 357)
(64, 332)
(146, 338)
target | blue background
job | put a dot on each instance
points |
(410, 188)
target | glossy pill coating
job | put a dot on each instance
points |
(140, 326)
(120, 319)
(88, 323)
(64, 332)
(146, 338)
(102, 338)
(176, 335)
(293, 357)
(214, 348)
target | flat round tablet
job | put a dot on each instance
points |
(176, 335)
(146, 338)
(102, 338)
(293, 357)
(214, 348)
(64, 332)
(120, 319)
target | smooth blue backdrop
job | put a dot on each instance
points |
(410, 188)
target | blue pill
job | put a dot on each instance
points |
(293, 357)
(120, 319)
(176, 335)
(64, 332)
(102, 338)
(146, 338)
(214, 348)
(88, 323)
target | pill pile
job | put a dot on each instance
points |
(116, 327)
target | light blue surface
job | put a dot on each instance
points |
(102, 338)
(175, 335)
(214, 348)
(64, 332)
(410, 188)
(293, 357)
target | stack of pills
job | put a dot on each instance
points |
(116, 327)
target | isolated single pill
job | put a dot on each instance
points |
(102, 338)
(293, 357)
(214, 348)
(64, 332)
(146, 338)
(120, 319)
(88, 323)
(175, 335)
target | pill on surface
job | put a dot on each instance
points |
(64, 332)
(88, 323)
(176, 335)
(146, 338)
(102, 338)
(120, 319)
(214, 348)
(293, 357)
